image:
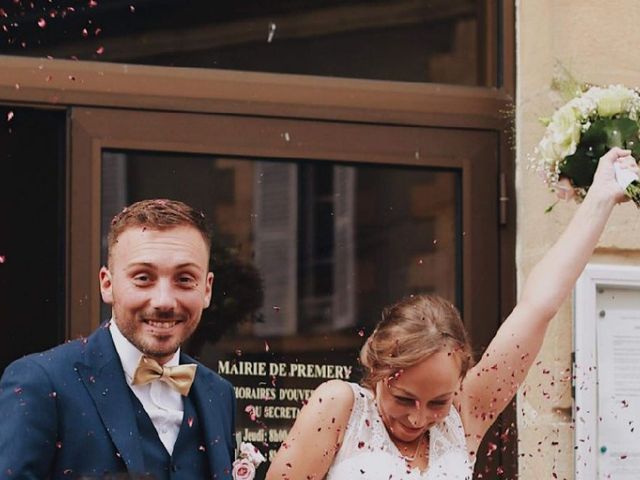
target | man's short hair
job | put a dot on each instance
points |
(157, 214)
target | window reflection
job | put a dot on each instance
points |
(306, 254)
(324, 245)
(407, 40)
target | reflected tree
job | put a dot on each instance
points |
(238, 295)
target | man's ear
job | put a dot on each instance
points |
(208, 290)
(106, 286)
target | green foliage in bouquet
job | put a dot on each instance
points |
(598, 139)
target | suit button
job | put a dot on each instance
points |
(174, 468)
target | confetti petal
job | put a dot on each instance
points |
(272, 32)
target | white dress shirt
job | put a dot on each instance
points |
(162, 403)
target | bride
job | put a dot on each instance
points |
(423, 408)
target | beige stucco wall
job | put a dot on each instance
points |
(599, 42)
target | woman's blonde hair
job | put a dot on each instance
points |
(409, 332)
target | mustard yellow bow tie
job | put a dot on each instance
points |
(179, 377)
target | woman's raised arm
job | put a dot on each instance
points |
(490, 385)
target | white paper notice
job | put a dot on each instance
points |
(619, 394)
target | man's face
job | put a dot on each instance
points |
(157, 283)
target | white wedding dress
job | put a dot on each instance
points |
(368, 453)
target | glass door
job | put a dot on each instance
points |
(317, 226)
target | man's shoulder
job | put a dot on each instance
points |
(52, 369)
(60, 353)
(60, 356)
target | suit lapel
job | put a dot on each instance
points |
(207, 405)
(102, 375)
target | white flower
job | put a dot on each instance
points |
(564, 131)
(546, 151)
(586, 106)
(251, 453)
(613, 100)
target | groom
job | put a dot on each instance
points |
(125, 400)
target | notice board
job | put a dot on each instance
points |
(607, 373)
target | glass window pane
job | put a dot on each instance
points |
(441, 41)
(306, 254)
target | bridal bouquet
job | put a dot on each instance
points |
(583, 130)
(249, 457)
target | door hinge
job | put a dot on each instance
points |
(573, 375)
(503, 199)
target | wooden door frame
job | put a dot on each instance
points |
(96, 129)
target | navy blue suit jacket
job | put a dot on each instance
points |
(67, 412)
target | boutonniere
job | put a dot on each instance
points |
(249, 457)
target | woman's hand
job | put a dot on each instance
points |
(605, 184)
(604, 181)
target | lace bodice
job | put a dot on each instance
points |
(367, 452)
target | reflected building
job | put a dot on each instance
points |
(332, 244)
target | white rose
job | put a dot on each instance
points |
(564, 131)
(546, 152)
(251, 453)
(614, 100)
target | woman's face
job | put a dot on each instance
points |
(414, 399)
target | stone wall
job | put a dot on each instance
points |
(598, 42)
